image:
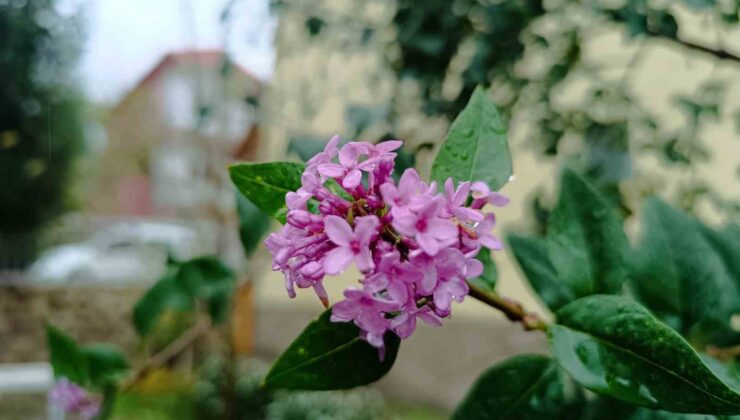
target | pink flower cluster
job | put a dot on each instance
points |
(74, 399)
(414, 246)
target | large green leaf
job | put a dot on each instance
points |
(681, 278)
(66, 358)
(531, 253)
(523, 387)
(615, 347)
(266, 184)
(475, 148)
(487, 280)
(329, 355)
(106, 364)
(586, 243)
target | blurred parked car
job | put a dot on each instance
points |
(124, 253)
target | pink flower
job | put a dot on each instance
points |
(483, 234)
(351, 245)
(405, 323)
(429, 229)
(330, 151)
(349, 169)
(367, 311)
(482, 195)
(400, 196)
(74, 399)
(384, 150)
(414, 246)
(456, 200)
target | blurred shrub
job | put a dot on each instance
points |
(252, 402)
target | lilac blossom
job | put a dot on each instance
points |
(351, 245)
(74, 399)
(414, 247)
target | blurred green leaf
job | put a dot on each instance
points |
(331, 355)
(165, 295)
(106, 363)
(585, 240)
(253, 224)
(609, 408)
(677, 274)
(531, 254)
(475, 148)
(202, 278)
(266, 184)
(726, 243)
(522, 387)
(66, 358)
(615, 347)
(209, 279)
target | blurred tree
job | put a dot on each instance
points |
(41, 129)
(529, 51)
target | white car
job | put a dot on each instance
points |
(122, 254)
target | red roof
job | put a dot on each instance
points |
(212, 57)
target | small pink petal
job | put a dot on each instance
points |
(364, 260)
(491, 242)
(352, 179)
(331, 169)
(337, 260)
(441, 228)
(428, 243)
(338, 230)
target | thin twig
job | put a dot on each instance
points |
(183, 342)
(720, 53)
(513, 310)
(724, 353)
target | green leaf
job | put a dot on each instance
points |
(586, 243)
(266, 184)
(608, 408)
(523, 387)
(165, 295)
(681, 278)
(487, 280)
(726, 243)
(253, 224)
(106, 364)
(531, 253)
(330, 355)
(475, 148)
(615, 347)
(66, 358)
(209, 279)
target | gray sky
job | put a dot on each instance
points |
(126, 38)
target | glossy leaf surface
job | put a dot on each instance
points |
(475, 148)
(613, 346)
(330, 355)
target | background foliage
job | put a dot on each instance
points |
(41, 130)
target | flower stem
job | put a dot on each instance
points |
(513, 310)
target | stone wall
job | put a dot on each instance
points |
(88, 314)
